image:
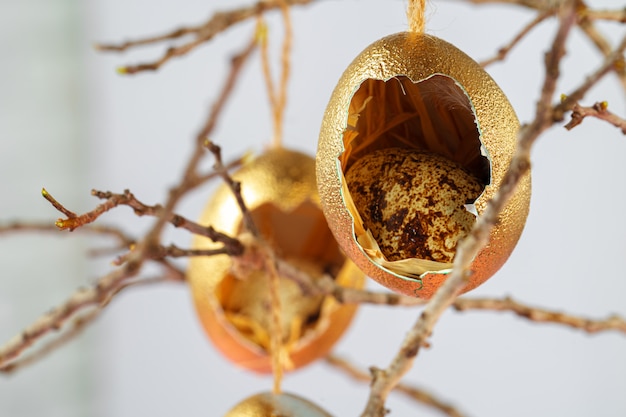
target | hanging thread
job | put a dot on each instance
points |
(277, 347)
(277, 97)
(416, 15)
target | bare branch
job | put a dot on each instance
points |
(569, 101)
(24, 226)
(599, 40)
(614, 322)
(80, 321)
(234, 186)
(55, 319)
(618, 15)
(531, 4)
(502, 52)
(417, 394)
(218, 23)
(56, 204)
(600, 111)
(326, 285)
(78, 325)
(586, 18)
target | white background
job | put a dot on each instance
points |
(70, 123)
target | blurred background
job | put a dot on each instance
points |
(70, 123)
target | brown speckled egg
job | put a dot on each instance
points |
(420, 93)
(276, 405)
(234, 304)
(415, 203)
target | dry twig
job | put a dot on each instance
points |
(416, 394)
(585, 20)
(326, 285)
(503, 52)
(23, 226)
(600, 41)
(541, 315)
(80, 320)
(78, 325)
(570, 100)
(618, 15)
(218, 23)
(600, 111)
(231, 245)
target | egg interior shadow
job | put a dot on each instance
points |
(433, 115)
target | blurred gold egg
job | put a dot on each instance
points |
(276, 405)
(279, 189)
(406, 103)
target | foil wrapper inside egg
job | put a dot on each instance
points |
(276, 405)
(414, 142)
(234, 305)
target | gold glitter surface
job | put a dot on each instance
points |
(420, 57)
(276, 405)
(279, 189)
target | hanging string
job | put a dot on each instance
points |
(277, 97)
(416, 15)
(277, 347)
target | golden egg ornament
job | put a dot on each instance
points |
(414, 142)
(276, 405)
(280, 192)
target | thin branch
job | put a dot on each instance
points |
(569, 101)
(173, 251)
(503, 52)
(78, 325)
(385, 380)
(612, 323)
(218, 23)
(56, 318)
(618, 15)
(531, 4)
(25, 226)
(417, 394)
(123, 240)
(235, 187)
(79, 322)
(56, 204)
(600, 41)
(600, 111)
(326, 285)
(175, 34)
(231, 245)
(160, 253)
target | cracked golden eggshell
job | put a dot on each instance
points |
(279, 189)
(393, 68)
(276, 405)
